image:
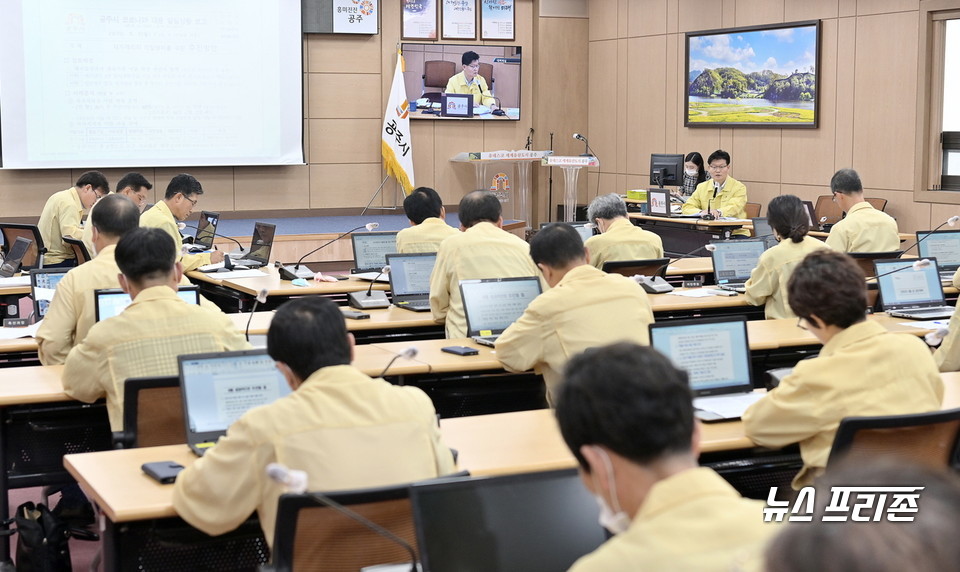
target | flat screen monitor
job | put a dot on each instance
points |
(110, 302)
(666, 170)
(582, 227)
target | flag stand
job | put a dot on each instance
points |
(374, 197)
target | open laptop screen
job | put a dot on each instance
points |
(532, 521)
(944, 245)
(714, 351)
(410, 273)
(43, 284)
(763, 231)
(491, 305)
(370, 250)
(110, 302)
(11, 264)
(206, 228)
(735, 259)
(581, 227)
(908, 288)
(262, 242)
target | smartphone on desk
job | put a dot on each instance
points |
(460, 350)
(164, 472)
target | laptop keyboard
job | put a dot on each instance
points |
(416, 306)
(247, 262)
(485, 340)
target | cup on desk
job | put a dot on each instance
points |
(413, 106)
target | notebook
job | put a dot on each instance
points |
(763, 231)
(410, 280)
(219, 387)
(492, 304)
(260, 245)
(109, 302)
(715, 353)
(11, 263)
(370, 250)
(206, 230)
(912, 294)
(43, 284)
(944, 245)
(734, 260)
(530, 521)
(581, 227)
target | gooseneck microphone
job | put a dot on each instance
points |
(916, 266)
(369, 300)
(260, 299)
(588, 152)
(408, 353)
(288, 273)
(952, 221)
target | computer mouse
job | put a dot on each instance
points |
(499, 112)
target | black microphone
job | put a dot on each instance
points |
(296, 482)
(408, 353)
(588, 152)
(181, 226)
(529, 139)
(260, 299)
(709, 215)
(288, 273)
(499, 112)
(952, 221)
(370, 299)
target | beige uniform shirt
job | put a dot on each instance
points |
(862, 371)
(144, 340)
(947, 355)
(693, 520)
(424, 237)
(482, 251)
(731, 201)
(60, 217)
(865, 229)
(159, 216)
(587, 308)
(346, 430)
(768, 281)
(623, 241)
(87, 233)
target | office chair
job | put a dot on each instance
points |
(826, 208)
(879, 204)
(436, 74)
(629, 268)
(34, 256)
(928, 439)
(486, 71)
(79, 249)
(152, 413)
(752, 210)
(865, 260)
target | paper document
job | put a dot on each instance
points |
(727, 406)
(699, 293)
(927, 324)
(16, 281)
(15, 333)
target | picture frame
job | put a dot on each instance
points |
(757, 76)
(419, 20)
(459, 19)
(498, 20)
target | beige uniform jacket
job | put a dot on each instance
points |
(587, 308)
(768, 281)
(623, 241)
(865, 229)
(693, 520)
(424, 237)
(482, 251)
(87, 233)
(947, 355)
(159, 216)
(60, 217)
(144, 340)
(862, 371)
(481, 94)
(346, 430)
(731, 201)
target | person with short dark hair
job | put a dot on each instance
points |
(619, 239)
(583, 308)
(182, 195)
(626, 413)
(146, 338)
(482, 250)
(470, 81)
(721, 195)
(424, 209)
(135, 187)
(864, 229)
(767, 285)
(344, 429)
(62, 215)
(862, 370)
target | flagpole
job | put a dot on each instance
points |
(374, 197)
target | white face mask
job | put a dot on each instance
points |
(614, 520)
(692, 172)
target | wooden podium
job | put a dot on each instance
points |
(516, 201)
(571, 171)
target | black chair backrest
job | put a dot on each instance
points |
(152, 413)
(12, 230)
(651, 267)
(924, 438)
(865, 260)
(79, 249)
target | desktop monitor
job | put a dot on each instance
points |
(666, 170)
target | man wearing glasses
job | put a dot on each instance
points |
(864, 229)
(721, 195)
(470, 81)
(178, 203)
(135, 187)
(62, 214)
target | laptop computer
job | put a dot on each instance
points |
(715, 352)
(734, 260)
(220, 387)
(530, 521)
(206, 230)
(260, 245)
(811, 215)
(581, 227)
(912, 294)
(658, 204)
(109, 302)
(11, 263)
(370, 250)
(763, 231)
(492, 304)
(43, 284)
(410, 280)
(944, 245)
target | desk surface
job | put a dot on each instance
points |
(673, 302)
(689, 221)
(391, 318)
(276, 287)
(694, 265)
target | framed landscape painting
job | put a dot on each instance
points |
(761, 76)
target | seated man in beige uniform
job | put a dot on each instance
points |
(864, 229)
(178, 203)
(344, 429)
(146, 338)
(583, 308)
(135, 187)
(62, 214)
(862, 370)
(619, 239)
(627, 415)
(427, 229)
(470, 81)
(482, 250)
(721, 195)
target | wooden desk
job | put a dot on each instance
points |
(691, 266)
(669, 306)
(384, 324)
(683, 235)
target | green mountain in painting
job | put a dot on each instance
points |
(731, 83)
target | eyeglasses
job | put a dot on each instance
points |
(97, 193)
(192, 201)
(717, 167)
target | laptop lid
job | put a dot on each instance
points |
(763, 231)
(530, 521)
(581, 227)
(109, 302)
(11, 264)
(733, 260)
(43, 284)
(658, 202)
(811, 215)
(908, 289)
(370, 250)
(944, 245)
(715, 352)
(219, 387)
(261, 242)
(492, 304)
(206, 229)
(410, 274)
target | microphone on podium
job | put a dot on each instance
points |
(588, 152)
(370, 299)
(294, 272)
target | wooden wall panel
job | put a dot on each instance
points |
(755, 154)
(647, 18)
(258, 188)
(343, 185)
(424, 168)
(810, 10)
(603, 120)
(344, 54)
(700, 15)
(847, 8)
(23, 193)
(345, 140)
(760, 192)
(603, 19)
(846, 88)
(868, 7)
(910, 216)
(217, 183)
(451, 137)
(756, 12)
(344, 95)
(646, 101)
